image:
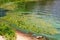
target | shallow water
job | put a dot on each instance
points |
(49, 12)
(54, 13)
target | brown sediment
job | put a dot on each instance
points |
(23, 36)
(1, 38)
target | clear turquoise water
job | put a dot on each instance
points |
(58, 35)
(54, 14)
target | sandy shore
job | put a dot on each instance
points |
(21, 36)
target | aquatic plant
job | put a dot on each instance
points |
(29, 23)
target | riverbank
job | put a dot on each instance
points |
(22, 36)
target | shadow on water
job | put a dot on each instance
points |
(39, 6)
(3, 12)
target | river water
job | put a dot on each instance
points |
(49, 12)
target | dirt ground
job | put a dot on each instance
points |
(22, 36)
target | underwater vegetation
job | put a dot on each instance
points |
(25, 23)
(14, 19)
